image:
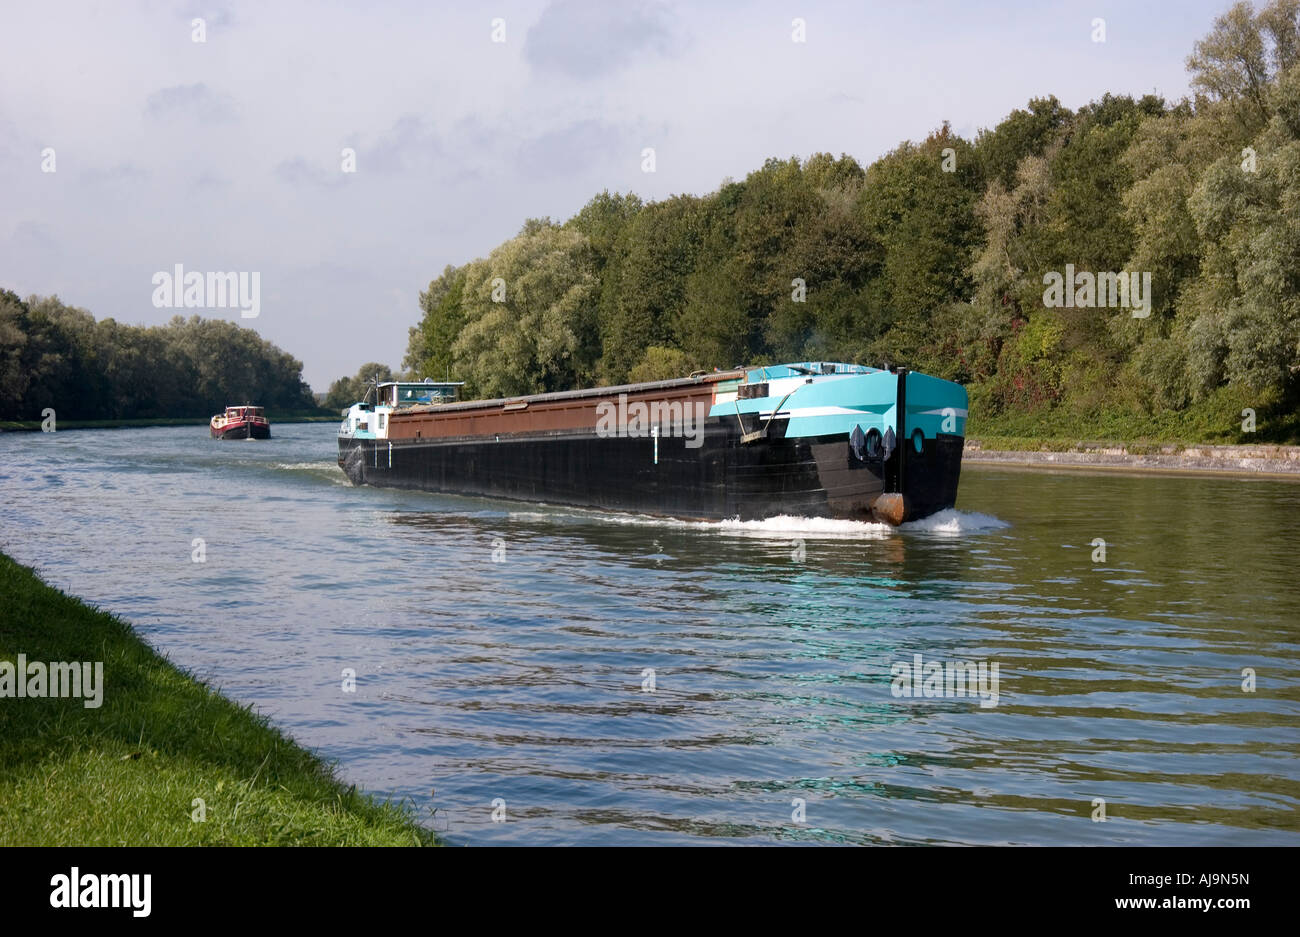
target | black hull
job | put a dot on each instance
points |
(243, 432)
(722, 478)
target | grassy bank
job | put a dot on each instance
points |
(129, 771)
(297, 416)
(1216, 420)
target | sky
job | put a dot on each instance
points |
(465, 120)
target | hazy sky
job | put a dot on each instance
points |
(226, 154)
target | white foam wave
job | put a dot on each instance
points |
(952, 521)
(786, 526)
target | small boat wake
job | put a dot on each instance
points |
(327, 470)
(786, 527)
(952, 521)
(949, 521)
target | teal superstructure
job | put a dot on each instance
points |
(817, 398)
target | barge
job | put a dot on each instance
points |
(812, 439)
(240, 423)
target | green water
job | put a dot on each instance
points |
(772, 716)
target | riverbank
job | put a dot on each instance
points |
(164, 759)
(1262, 460)
(31, 425)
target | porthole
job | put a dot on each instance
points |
(873, 444)
(918, 440)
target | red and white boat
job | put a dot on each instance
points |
(241, 423)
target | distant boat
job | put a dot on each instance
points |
(241, 423)
(815, 439)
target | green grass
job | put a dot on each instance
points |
(128, 772)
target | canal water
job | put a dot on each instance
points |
(536, 675)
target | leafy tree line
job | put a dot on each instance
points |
(934, 256)
(346, 391)
(53, 355)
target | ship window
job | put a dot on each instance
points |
(918, 441)
(381, 420)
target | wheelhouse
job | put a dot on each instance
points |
(366, 420)
(253, 414)
(418, 393)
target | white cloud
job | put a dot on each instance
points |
(589, 39)
(194, 102)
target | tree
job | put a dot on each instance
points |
(661, 364)
(346, 391)
(428, 351)
(1021, 134)
(1247, 310)
(53, 355)
(530, 315)
(1246, 52)
(643, 290)
(923, 216)
(14, 376)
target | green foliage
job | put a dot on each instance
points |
(644, 289)
(58, 356)
(603, 220)
(1246, 52)
(661, 364)
(1089, 176)
(1023, 133)
(346, 391)
(923, 218)
(429, 348)
(1164, 160)
(530, 315)
(1213, 419)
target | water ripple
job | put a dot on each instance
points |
(625, 679)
